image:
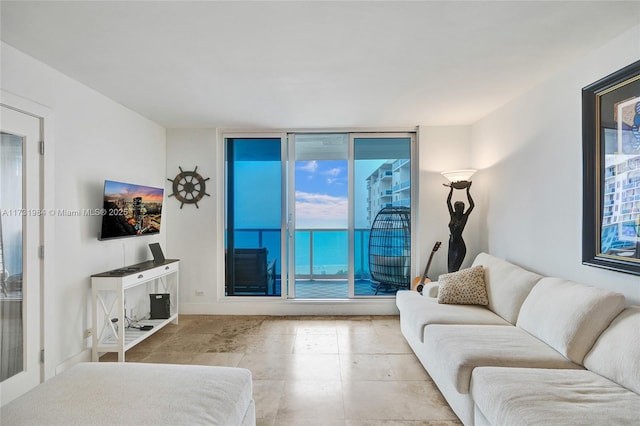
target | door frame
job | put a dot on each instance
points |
(47, 197)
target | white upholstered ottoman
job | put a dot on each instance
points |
(137, 394)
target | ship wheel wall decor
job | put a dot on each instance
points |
(189, 187)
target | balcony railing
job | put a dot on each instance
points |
(319, 253)
(402, 186)
(399, 163)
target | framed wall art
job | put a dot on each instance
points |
(611, 171)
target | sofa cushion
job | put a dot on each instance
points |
(417, 311)
(431, 289)
(458, 349)
(465, 287)
(569, 316)
(616, 353)
(507, 285)
(531, 396)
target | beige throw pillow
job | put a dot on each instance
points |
(465, 287)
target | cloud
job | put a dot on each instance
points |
(332, 172)
(309, 197)
(333, 175)
(309, 166)
(320, 208)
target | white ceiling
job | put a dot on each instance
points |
(302, 64)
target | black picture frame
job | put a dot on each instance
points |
(611, 171)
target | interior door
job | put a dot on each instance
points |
(20, 268)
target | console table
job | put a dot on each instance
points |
(120, 301)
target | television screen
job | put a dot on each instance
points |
(130, 210)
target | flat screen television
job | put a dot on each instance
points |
(130, 210)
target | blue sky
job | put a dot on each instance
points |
(321, 193)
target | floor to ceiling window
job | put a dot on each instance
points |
(299, 209)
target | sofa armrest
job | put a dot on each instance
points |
(430, 289)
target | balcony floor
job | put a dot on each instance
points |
(335, 289)
(329, 289)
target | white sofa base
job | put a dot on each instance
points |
(137, 394)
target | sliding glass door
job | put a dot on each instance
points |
(299, 209)
(319, 178)
(382, 179)
(254, 216)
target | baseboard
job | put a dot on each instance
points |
(84, 356)
(260, 306)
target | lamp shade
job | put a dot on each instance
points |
(458, 175)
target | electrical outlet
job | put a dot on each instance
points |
(88, 333)
(199, 293)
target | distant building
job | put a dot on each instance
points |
(621, 204)
(137, 212)
(389, 185)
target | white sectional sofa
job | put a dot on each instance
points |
(543, 351)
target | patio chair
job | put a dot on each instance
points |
(253, 273)
(390, 249)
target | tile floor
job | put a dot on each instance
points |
(351, 371)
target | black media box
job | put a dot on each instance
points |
(160, 306)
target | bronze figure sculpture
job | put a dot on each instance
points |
(457, 248)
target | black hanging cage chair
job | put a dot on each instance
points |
(390, 249)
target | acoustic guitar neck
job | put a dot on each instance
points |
(425, 278)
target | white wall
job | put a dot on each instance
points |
(530, 153)
(192, 235)
(93, 139)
